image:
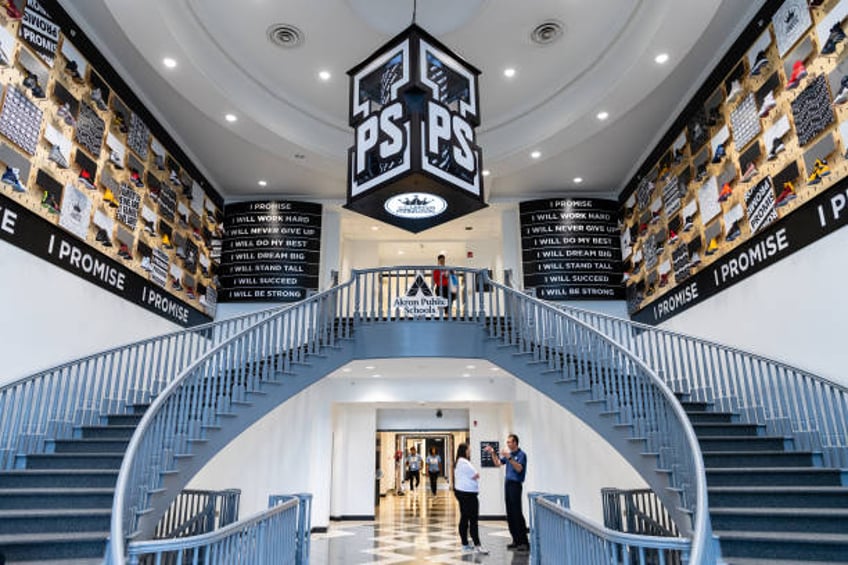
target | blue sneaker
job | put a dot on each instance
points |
(13, 179)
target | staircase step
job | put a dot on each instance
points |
(717, 444)
(800, 547)
(821, 520)
(695, 406)
(776, 476)
(123, 419)
(42, 521)
(725, 429)
(70, 546)
(718, 459)
(46, 478)
(706, 417)
(73, 460)
(88, 445)
(777, 497)
(33, 498)
(104, 432)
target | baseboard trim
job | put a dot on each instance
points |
(492, 517)
(319, 530)
(352, 518)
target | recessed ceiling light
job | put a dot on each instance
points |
(486, 172)
(169, 62)
(231, 118)
(603, 115)
(299, 156)
(661, 58)
(346, 370)
(509, 73)
(401, 251)
(470, 366)
(536, 154)
(578, 180)
(465, 375)
(375, 228)
(494, 368)
(263, 183)
(324, 75)
(370, 367)
(376, 376)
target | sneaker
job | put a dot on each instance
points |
(663, 280)
(57, 157)
(183, 221)
(799, 71)
(136, 179)
(146, 264)
(672, 236)
(734, 232)
(480, 550)
(181, 252)
(154, 193)
(73, 69)
(625, 277)
(116, 160)
(174, 179)
(64, 112)
(821, 168)
(109, 197)
(768, 104)
(694, 259)
(121, 122)
(12, 177)
(655, 216)
(103, 238)
(12, 11)
(159, 161)
(735, 92)
(177, 286)
(30, 80)
(836, 36)
(86, 179)
(726, 192)
(124, 252)
(713, 117)
(97, 98)
(688, 223)
(719, 153)
(203, 301)
(47, 201)
(678, 155)
(842, 95)
(166, 241)
(750, 172)
(467, 549)
(777, 147)
(4, 57)
(787, 196)
(38, 92)
(149, 226)
(701, 174)
(712, 247)
(759, 62)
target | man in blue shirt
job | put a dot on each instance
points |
(515, 461)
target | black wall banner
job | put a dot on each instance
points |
(822, 215)
(271, 251)
(28, 231)
(571, 249)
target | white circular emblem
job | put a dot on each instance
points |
(415, 205)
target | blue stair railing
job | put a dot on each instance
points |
(50, 403)
(196, 512)
(787, 400)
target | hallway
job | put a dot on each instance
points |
(415, 528)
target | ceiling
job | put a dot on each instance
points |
(291, 128)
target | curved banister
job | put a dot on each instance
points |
(79, 391)
(701, 531)
(764, 391)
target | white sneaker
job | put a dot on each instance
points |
(768, 103)
(735, 91)
(481, 550)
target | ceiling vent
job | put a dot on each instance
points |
(547, 32)
(285, 35)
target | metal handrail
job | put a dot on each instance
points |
(269, 536)
(592, 543)
(786, 399)
(52, 401)
(194, 511)
(701, 530)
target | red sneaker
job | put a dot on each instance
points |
(798, 73)
(725, 193)
(12, 11)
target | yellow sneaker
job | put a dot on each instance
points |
(166, 241)
(821, 168)
(109, 197)
(712, 247)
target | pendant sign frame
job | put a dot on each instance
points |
(414, 107)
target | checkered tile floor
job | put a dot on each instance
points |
(416, 528)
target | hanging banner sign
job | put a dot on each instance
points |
(28, 231)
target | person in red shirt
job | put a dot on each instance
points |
(441, 279)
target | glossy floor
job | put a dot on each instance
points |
(415, 528)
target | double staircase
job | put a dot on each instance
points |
(762, 483)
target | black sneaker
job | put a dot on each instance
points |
(688, 223)
(836, 36)
(734, 232)
(103, 238)
(702, 172)
(760, 62)
(777, 147)
(30, 81)
(38, 92)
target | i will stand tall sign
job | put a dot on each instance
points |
(415, 163)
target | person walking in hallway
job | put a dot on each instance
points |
(413, 464)
(466, 481)
(515, 461)
(434, 468)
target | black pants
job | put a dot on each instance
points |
(434, 477)
(514, 514)
(414, 479)
(469, 512)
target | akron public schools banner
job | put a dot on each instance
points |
(271, 251)
(571, 249)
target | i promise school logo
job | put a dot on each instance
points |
(419, 299)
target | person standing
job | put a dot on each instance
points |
(441, 279)
(434, 468)
(466, 481)
(515, 461)
(413, 464)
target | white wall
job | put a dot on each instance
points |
(794, 311)
(323, 441)
(49, 316)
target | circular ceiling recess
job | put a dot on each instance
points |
(547, 32)
(285, 35)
